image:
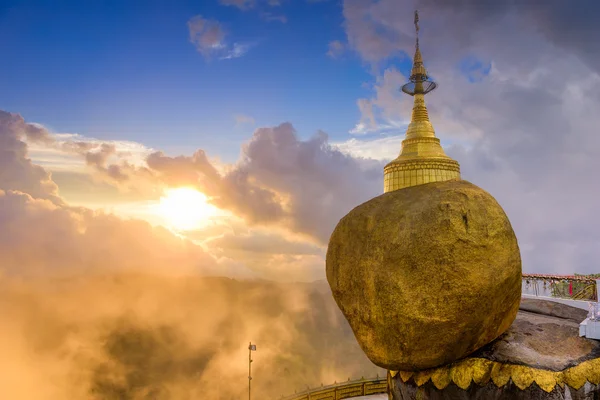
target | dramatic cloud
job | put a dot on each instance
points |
(571, 29)
(70, 153)
(17, 172)
(43, 235)
(68, 158)
(98, 159)
(95, 306)
(520, 119)
(304, 186)
(317, 183)
(42, 238)
(299, 187)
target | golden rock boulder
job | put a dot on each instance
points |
(426, 275)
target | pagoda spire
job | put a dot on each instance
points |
(422, 158)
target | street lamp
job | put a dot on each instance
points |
(251, 348)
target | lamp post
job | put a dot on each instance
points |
(251, 348)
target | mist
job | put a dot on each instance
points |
(136, 336)
(93, 306)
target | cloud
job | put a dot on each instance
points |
(237, 50)
(296, 189)
(234, 191)
(209, 38)
(570, 29)
(370, 31)
(271, 253)
(367, 123)
(306, 186)
(99, 158)
(17, 172)
(62, 152)
(71, 155)
(523, 129)
(388, 110)
(74, 240)
(130, 336)
(95, 305)
(280, 181)
(207, 35)
(317, 183)
(265, 242)
(384, 149)
(336, 49)
(43, 235)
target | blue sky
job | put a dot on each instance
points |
(129, 71)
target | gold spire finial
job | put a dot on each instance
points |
(417, 25)
(422, 159)
(418, 72)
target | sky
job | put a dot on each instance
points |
(228, 137)
(130, 70)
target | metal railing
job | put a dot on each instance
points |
(573, 290)
(343, 390)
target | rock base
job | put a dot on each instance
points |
(541, 356)
(409, 391)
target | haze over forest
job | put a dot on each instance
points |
(170, 175)
(132, 336)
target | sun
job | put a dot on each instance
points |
(185, 209)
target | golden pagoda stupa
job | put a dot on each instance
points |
(422, 159)
(429, 271)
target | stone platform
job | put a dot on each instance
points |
(541, 356)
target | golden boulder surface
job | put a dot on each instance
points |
(425, 275)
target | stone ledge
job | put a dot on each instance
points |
(541, 356)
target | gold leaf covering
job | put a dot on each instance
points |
(440, 259)
(481, 371)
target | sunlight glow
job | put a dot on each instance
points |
(185, 209)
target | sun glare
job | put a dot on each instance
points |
(185, 209)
